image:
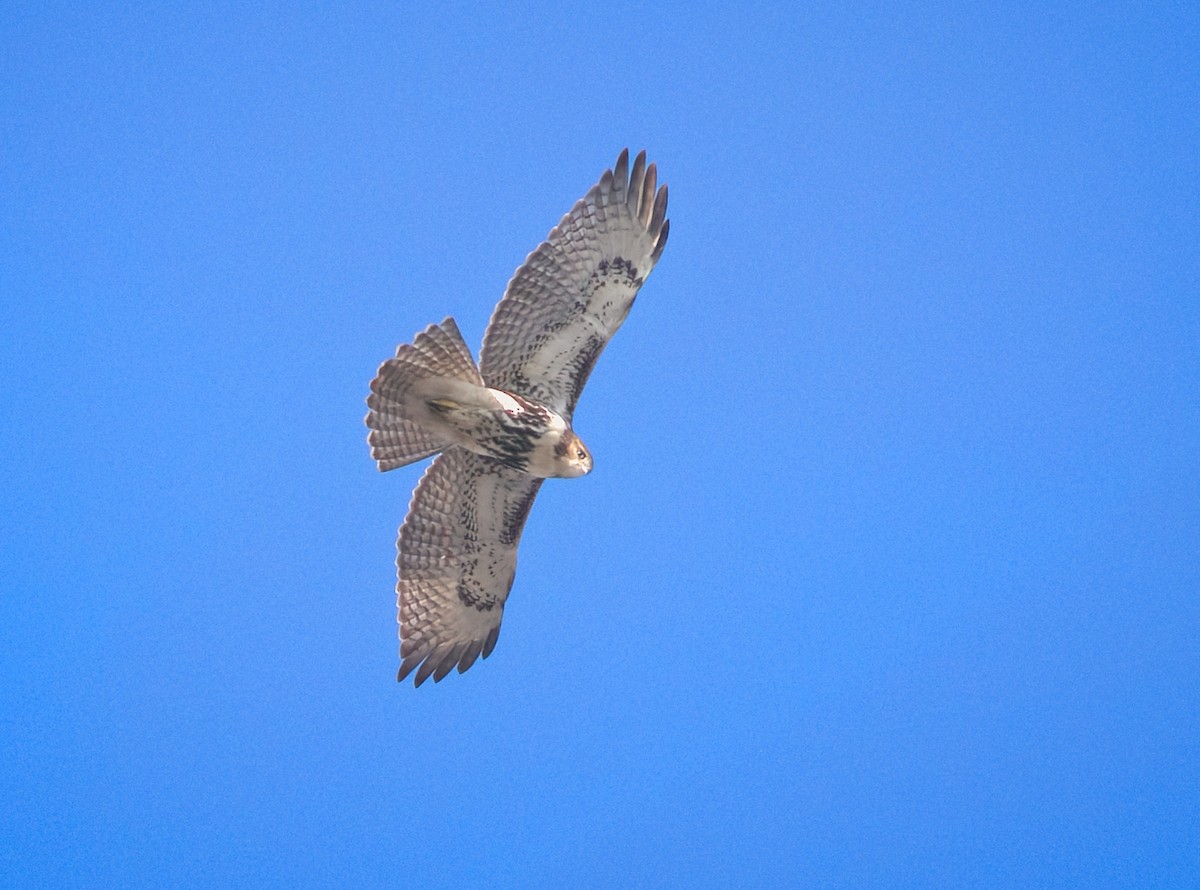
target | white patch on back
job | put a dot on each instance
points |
(506, 402)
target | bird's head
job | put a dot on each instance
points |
(572, 458)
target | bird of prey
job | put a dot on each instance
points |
(504, 426)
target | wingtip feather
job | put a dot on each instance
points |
(490, 643)
(441, 660)
(621, 171)
(662, 241)
(659, 214)
(636, 180)
(648, 192)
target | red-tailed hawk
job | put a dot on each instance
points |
(504, 427)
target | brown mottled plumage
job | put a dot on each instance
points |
(505, 426)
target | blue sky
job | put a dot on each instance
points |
(887, 573)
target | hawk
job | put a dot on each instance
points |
(504, 426)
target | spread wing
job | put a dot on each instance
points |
(571, 294)
(457, 558)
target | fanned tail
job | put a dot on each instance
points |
(436, 352)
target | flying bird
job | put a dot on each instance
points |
(504, 426)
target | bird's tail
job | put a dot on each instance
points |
(396, 438)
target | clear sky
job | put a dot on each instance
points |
(886, 575)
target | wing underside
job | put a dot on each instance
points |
(573, 292)
(457, 555)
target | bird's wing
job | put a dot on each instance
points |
(457, 555)
(571, 294)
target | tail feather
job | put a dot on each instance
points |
(453, 358)
(438, 351)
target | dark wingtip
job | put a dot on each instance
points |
(637, 180)
(659, 214)
(490, 643)
(662, 240)
(648, 194)
(621, 168)
(407, 666)
(427, 667)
